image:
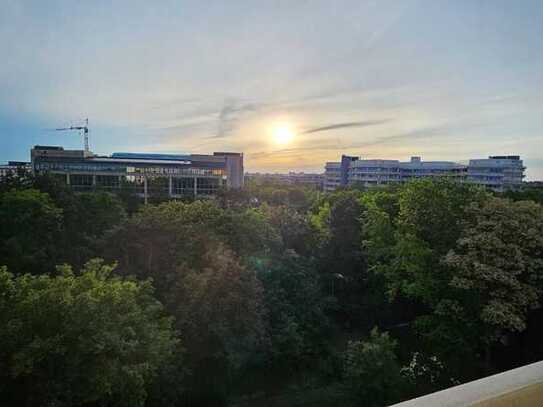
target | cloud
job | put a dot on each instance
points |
(442, 130)
(231, 112)
(297, 150)
(336, 126)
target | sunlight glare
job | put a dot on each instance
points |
(283, 134)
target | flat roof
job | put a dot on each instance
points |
(137, 161)
(57, 148)
(152, 156)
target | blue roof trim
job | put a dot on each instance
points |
(149, 156)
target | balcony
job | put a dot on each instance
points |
(521, 387)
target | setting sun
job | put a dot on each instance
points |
(283, 134)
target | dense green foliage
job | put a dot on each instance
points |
(499, 260)
(273, 295)
(372, 371)
(31, 225)
(83, 339)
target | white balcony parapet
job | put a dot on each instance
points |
(521, 387)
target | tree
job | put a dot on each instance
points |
(158, 189)
(30, 225)
(427, 225)
(129, 196)
(249, 232)
(74, 340)
(407, 248)
(342, 261)
(297, 197)
(528, 193)
(433, 211)
(218, 308)
(498, 260)
(97, 212)
(216, 300)
(486, 286)
(319, 223)
(345, 226)
(379, 227)
(55, 186)
(154, 241)
(87, 217)
(426, 374)
(372, 374)
(291, 226)
(297, 320)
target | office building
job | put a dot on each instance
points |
(172, 175)
(496, 172)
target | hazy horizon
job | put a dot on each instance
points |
(444, 80)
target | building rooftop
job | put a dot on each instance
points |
(152, 156)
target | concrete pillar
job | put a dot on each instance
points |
(170, 186)
(120, 181)
(195, 186)
(94, 180)
(145, 195)
(67, 179)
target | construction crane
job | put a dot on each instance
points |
(84, 130)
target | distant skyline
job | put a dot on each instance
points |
(445, 80)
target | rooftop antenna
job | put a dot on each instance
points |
(83, 130)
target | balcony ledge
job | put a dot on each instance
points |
(521, 387)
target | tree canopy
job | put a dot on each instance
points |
(264, 296)
(86, 339)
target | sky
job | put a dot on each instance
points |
(441, 79)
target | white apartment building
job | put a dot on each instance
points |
(497, 172)
(332, 176)
(12, 168)
(370, 173)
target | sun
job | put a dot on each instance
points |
(283, 134)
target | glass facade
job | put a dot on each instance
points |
(145, 177)
(183, 186)
(208, 186)
(126, 168)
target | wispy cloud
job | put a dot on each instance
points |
(297, 150)
(337, 126)
(423, 133)
(190, 78)
(231, 112)
(417, 134)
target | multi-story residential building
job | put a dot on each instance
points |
(332, 176)
(416, 168)
(497, 172)
(174, 175)
(13, 168)
(373, 172)
(6, 170)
